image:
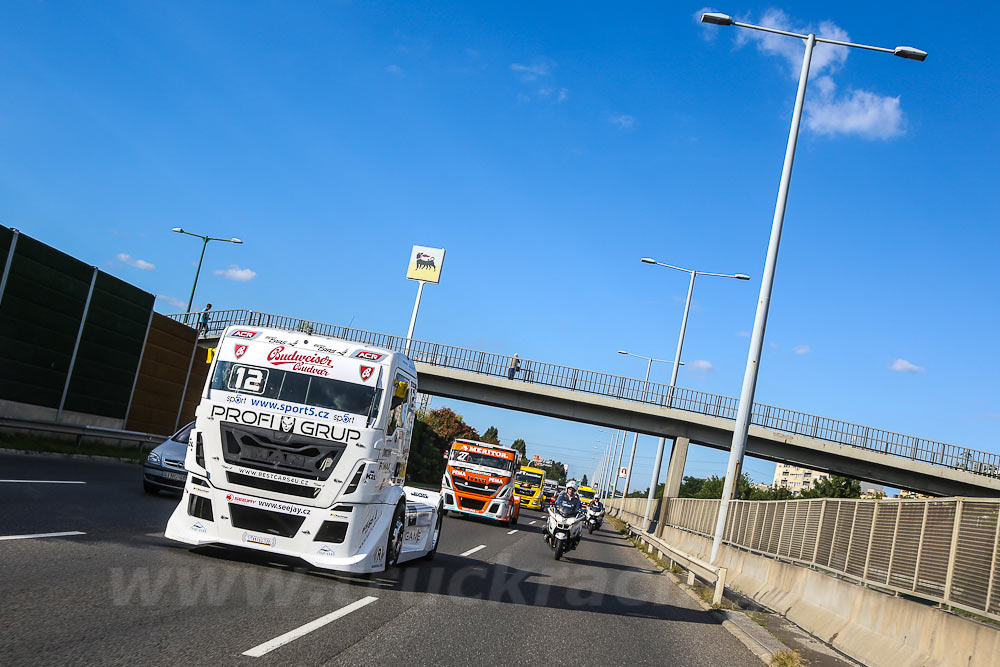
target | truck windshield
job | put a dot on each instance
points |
(475, 458)
(532, 478)
(295, 387)
(586, 496)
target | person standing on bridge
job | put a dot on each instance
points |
(204, 320)
(515, 366)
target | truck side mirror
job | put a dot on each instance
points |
(402, 388)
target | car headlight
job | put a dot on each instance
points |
(154, 458)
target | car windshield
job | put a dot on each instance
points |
(183, 435)
(532, 478)
(475, 458)
(565, 509)
(295, 387)
(586, 496)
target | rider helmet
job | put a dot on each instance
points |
(571, 485)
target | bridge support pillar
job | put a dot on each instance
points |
(675, 475)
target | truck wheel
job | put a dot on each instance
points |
(436, 535)
(394, 540)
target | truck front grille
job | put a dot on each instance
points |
(275, 451)
(262, 521)
(471, 504)
(474, 487)
(272, 485)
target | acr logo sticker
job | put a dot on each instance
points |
(244, 333)
(240, 350)
(370, 356)
(366, 372)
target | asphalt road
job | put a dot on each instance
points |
(122, 594)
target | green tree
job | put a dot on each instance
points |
(521, 446)
(834, 486)
(492, 436)
(713, 486)
(449, 426)
(427, 454)
(690, 487)
(775, 492)
(583, 482)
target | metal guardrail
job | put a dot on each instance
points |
(943, 551)
(629, 389)
(83, 431)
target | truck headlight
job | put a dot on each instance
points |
(153, 458)
(445, 482)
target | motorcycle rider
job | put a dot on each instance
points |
(596, 504)
(568, 503)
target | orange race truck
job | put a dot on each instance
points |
(479, 480)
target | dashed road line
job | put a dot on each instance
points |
(511, 532)
(28, 537)
(292, 635)
(473, 550)
(39, 481)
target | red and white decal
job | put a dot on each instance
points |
(366, 372)
(370, 356)
(240, 350)
(244, 333)
(284, 508)
(315, 364)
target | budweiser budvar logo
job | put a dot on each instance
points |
(304, 363)
(278, 356)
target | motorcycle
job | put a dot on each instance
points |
(595, 518)
(563, 530)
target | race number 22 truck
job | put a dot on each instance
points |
(478, 480)
(299, 447)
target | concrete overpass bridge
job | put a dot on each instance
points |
(776, 434)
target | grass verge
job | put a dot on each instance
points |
(31, 443)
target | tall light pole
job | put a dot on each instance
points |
(204, 244)
(645, 388)
(742, 427)
(677, 364)
(620, 448)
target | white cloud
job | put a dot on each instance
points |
(236, 273)
(137, 263)
(801, 349)
(175, 302)
(531, 72)
(903, 366)
(701, 365)
(743, 334)
(622, 120)
(859, 112)
(394, 69)
(563, 94)
(854, 112)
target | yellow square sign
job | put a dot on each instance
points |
(425, 264)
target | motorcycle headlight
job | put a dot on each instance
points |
(153, 458)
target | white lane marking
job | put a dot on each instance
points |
(28, 537)
(532, 523)
(39, 481)
(511, 532)
(473, 550)
(292, 635)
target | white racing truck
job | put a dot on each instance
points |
(299, 447)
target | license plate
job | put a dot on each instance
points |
(263, 540)
(176, 476)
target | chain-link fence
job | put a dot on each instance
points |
(629, 389)
(943, 551)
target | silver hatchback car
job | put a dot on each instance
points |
(164, 467)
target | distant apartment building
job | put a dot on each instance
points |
(796, 479)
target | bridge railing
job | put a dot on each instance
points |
(625, 388)
(943, 551)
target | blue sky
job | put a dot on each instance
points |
(547, 147)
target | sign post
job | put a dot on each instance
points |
(425, 267)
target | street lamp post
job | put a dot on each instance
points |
(742, 425)
(645, 389)
(204, 244)
(677, 364)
